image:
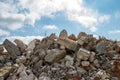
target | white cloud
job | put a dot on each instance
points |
(104, 18)
(25, 39)
(32, 10)
(4, 33)
(50, 27)
(114, 32)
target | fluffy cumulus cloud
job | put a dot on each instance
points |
(26, 39)
(14, 15)
(50, 27)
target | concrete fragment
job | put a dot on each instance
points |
(92, 57)
(101, 47)
(69, 61)
(20, 45)
(82, 34)
(44, 78)
(31, 45)
(55, 55)
(21, 59)
(70, 44)
(1, 49)
(38, 64)
(83, 54)
(85, 63)
(41, 52)
(11, 48)
(63, 34)
(80, 42)
(52, 36)
(4, 71)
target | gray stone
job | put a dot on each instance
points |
(38, 64)
(31, 45)
(92, 57)
(69, 61)
(63, 34)
(68, 43)
(52, 36)
(1, 49)
(11, 48)
(101, 47)
(83, 54)
(41, 53)
(46, 43)
(55, 55)
(20, 44)
(82, 34)
(21, 59)
(80, 42)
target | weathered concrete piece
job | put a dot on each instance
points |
(1, 49)
(83, 54)
(4, 72)
(63, 34)
(20, 45)
(70, 44)
(31, 45)
(55, 55)
(101, 47)
(11, 48)
(69, 61)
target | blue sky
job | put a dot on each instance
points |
(29, 19)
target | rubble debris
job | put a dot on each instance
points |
(63, 34)
(5, 71)
(83, 54)
(55, 55)
(61, 58)
(20, 45)
(11, 48)
(101, 47)
(72, 37)
(70, 44)
(1, 49)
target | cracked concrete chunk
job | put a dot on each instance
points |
(20, 45)
(83, 54)
(70, 44)
(11, 48)
(55, 55)
(63, 34)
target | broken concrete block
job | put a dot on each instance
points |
(101, 47)
(1, 49)
(4, 71)
(31, 45)
(55, 55)
(85, 63)
(83, 54)
(11, 48)
(81, 34)
(69, 61)
(20, 45)
(69, 44)
(63, 34)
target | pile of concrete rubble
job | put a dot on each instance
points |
(61, 58)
